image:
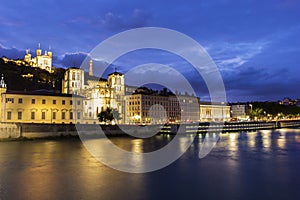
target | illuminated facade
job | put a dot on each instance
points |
(39, 107)
(98, 93)
(143, 108)
(43, 61)
(214, 112)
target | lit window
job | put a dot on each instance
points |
(9, 100)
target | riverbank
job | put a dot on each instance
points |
(24, 131)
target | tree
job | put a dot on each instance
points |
(256, 113)
(109, 115)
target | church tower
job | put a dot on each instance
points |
(2, 97)
(39, 51)
(27, 57)
(91, 68)
(117, 84)
(3, 87)
(50, 53)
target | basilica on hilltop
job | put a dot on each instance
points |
(43, 61)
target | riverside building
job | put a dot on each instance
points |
(39, 107)
(151, 107)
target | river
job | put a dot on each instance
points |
(254, 165)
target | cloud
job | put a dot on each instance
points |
(114, 22)
(11, 53)
(229, 56)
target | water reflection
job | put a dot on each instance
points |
(251, 139)
(239, 164)
(266, 139)
(137, 145)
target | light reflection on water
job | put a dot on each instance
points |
(252, 165)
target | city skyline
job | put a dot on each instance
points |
(254, 45)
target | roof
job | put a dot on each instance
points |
(42, 93)
(116, 73)
(213, 103)
(87, 77)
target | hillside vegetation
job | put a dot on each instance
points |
(27, 78)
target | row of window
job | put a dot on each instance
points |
(75, 76)
(146, 114)
(43, 115)
(33, 101)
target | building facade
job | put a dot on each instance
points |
(155, 108)
(98, 93)
(39, 107)
(240, 111)
(214, 112)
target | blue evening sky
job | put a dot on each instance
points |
(255, 44)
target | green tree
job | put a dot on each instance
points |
(109, 115)
(256, 113)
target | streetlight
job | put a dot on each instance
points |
(250, 110)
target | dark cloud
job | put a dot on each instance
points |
(71, 60)
(11, 53)
(117, 22)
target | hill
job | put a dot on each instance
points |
(23, 77)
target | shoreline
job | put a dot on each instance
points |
(29, 132)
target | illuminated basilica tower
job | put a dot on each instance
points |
(43, 61)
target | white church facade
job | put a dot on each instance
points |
(99, 94)
(43, 61)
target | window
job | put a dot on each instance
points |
(9, 100)
(19, 115)
(63, 115)
(71, 102)
(9, 115)
(71, 115)
(43, 115)
(78, 115)
(32, 115)
(44, 101)
(78, 103)
(63, 102)
(32, 101)
(20, 100)
(54, 101)
(54, 115)
(73, 76)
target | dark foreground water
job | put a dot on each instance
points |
(255, 165)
